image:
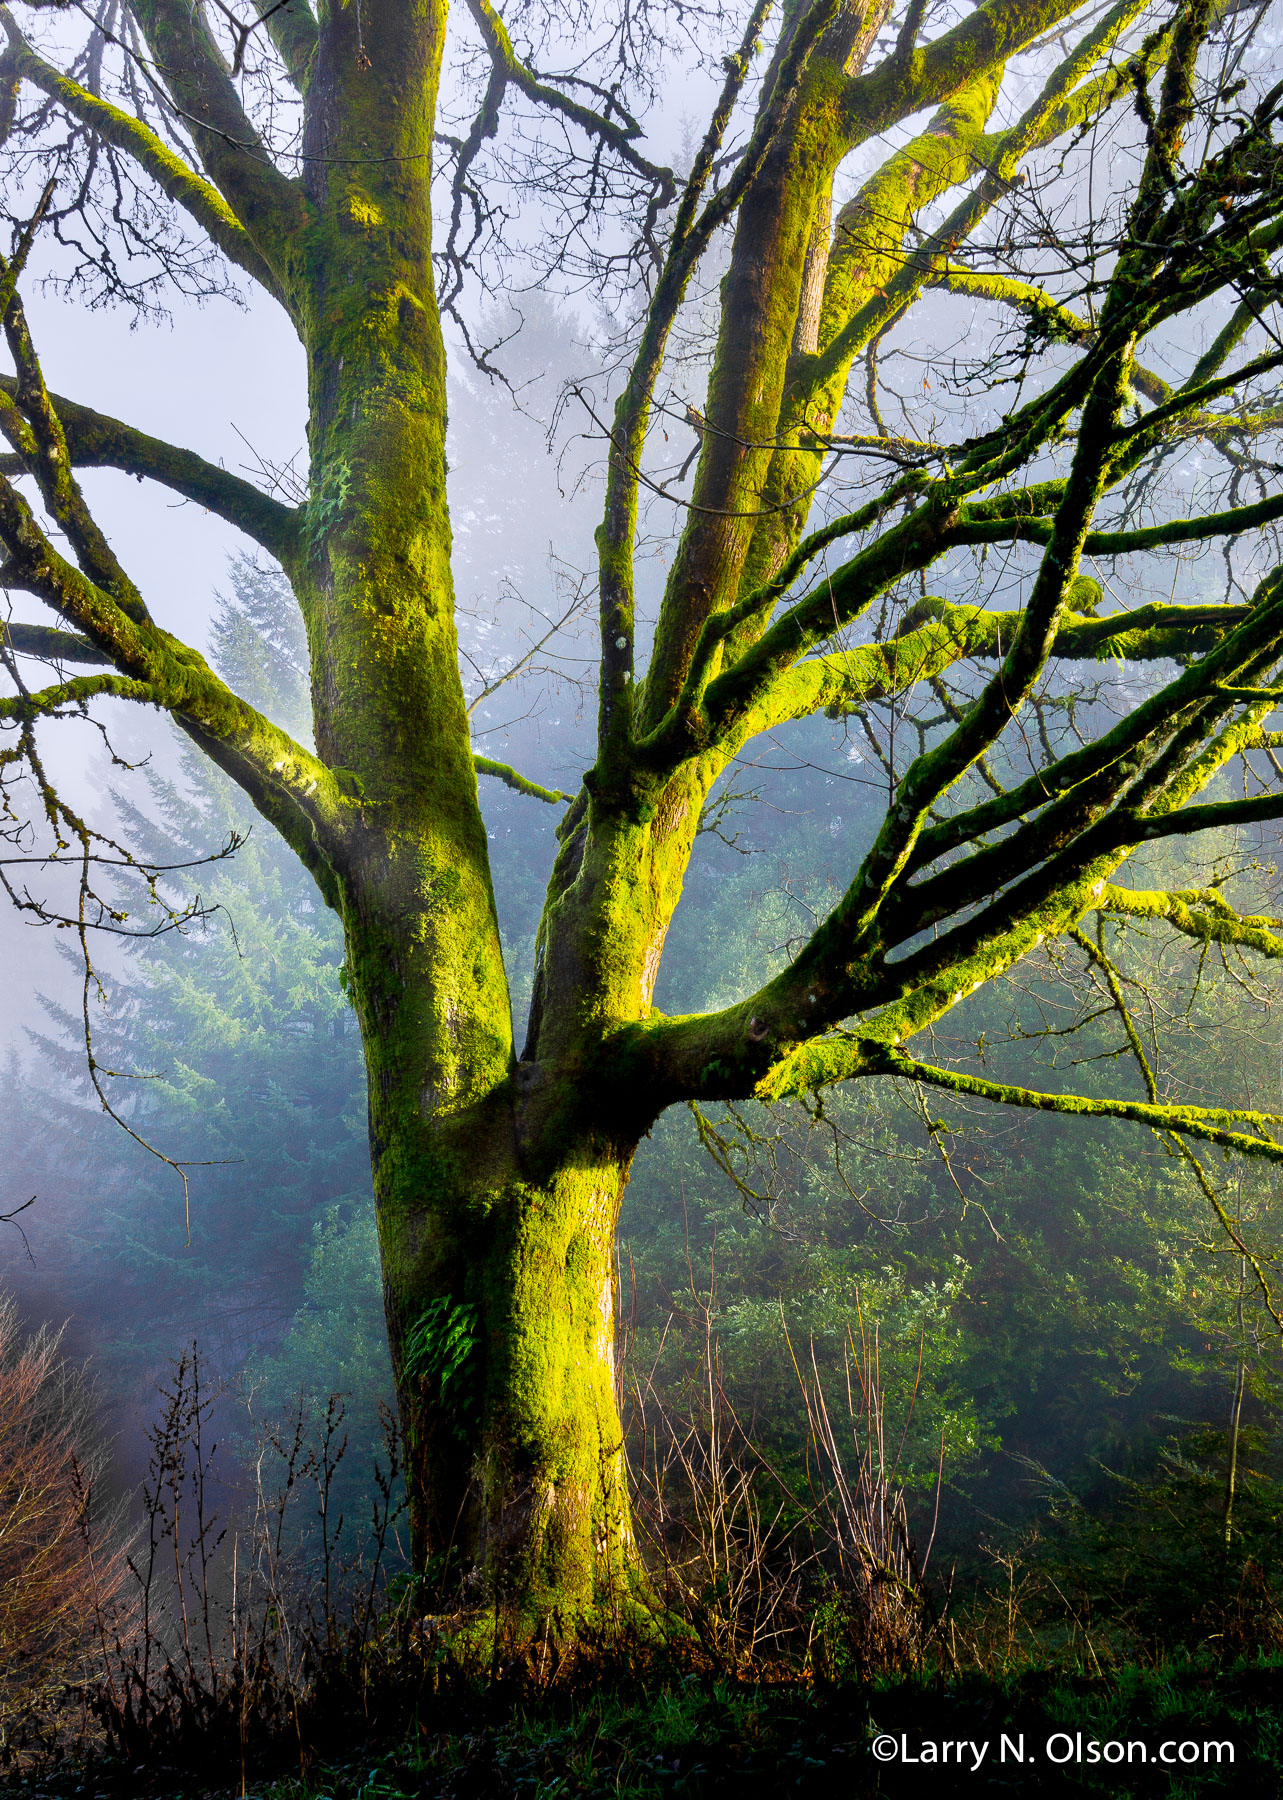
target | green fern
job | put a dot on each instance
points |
(440, 1348)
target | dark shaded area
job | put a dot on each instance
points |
(651, 1732)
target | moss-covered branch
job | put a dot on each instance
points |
(1200, 913)
(986, 39)
(520, 784)
(858, 314)
(782, 1051)
(97, 441)
(872, 280)
(1059, 322)
(1160, 757)
(947, 152)
(49, 644)
(780, 236)
(272, 208)
(1027, 515)
(936, 635)
(74, 695)
(1231, 522)
(34, 430)
(1213, 1125)
(1244, 635)
(1069, 862)
(693, 228)
(936, 770)
(289, 784)
(943, 516)
(198, 198)
(1100, 802)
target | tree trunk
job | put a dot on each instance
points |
(497, 1209)
(498, 1280)
(501, 1304)
(552, 1503)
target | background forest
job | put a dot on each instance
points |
(1071, 1352)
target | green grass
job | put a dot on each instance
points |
(649, 1729)
(690, 1737)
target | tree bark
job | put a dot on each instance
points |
(500, 1289)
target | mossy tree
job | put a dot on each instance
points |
(498, 1169)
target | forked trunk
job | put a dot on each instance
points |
(497, 1191)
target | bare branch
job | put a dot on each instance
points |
(621, 138)
(202, 201)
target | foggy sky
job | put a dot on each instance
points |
(212, 372)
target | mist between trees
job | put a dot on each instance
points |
(725, 834)
(1056, 1316)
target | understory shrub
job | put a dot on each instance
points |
(62, 1560)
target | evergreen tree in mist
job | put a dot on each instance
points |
(238, 1058)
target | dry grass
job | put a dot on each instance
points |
(243, 1627)
(757, 1574)
(881, 1603)
(62, 1564)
